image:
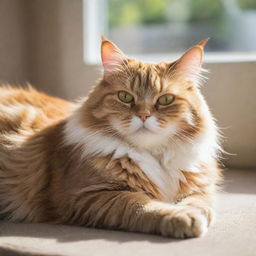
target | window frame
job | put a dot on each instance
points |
(93, 9)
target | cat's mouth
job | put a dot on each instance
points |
(143, 129)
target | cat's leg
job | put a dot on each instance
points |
(203, 202)
(194, 216)
(135, 211)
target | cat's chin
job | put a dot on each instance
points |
(145, 139)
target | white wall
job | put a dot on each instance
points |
(231, 92)
(52, 60)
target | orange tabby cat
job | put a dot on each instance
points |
(139, 154)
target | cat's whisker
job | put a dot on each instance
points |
(133, 154)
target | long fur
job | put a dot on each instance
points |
(96, 163)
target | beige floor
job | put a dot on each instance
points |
(233, 234)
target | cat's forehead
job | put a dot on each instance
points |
(148, 78)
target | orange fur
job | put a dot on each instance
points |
(50, 173)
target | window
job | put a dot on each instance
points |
(160, 29)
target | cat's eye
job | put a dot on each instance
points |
(125, 97)
(166, 99)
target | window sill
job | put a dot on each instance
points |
(216, 57)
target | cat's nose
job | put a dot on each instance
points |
(143, 116)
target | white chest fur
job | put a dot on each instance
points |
(162, 166)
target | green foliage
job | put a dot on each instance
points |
(131, 12)
(247, 4)
(204, 9)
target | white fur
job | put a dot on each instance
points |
(146, 139)
(11, 111)
(96, 144)
(150, 123)
(32, 113)
(162, 164)
(146, 134)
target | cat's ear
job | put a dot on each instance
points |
(190, 63)
(112, 57)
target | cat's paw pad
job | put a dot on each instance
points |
(184, 223)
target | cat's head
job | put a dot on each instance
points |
(147, 104)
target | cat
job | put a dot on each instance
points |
(140, 153)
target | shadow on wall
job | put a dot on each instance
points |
(56, 41)
(42, 43)
(13, 42)
(44, 46)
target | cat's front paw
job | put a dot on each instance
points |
(184, 223)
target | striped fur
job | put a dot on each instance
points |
(96, 163)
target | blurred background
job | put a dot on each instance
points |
(54, 45)
(157, 27)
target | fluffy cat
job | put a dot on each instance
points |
(139, 153)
